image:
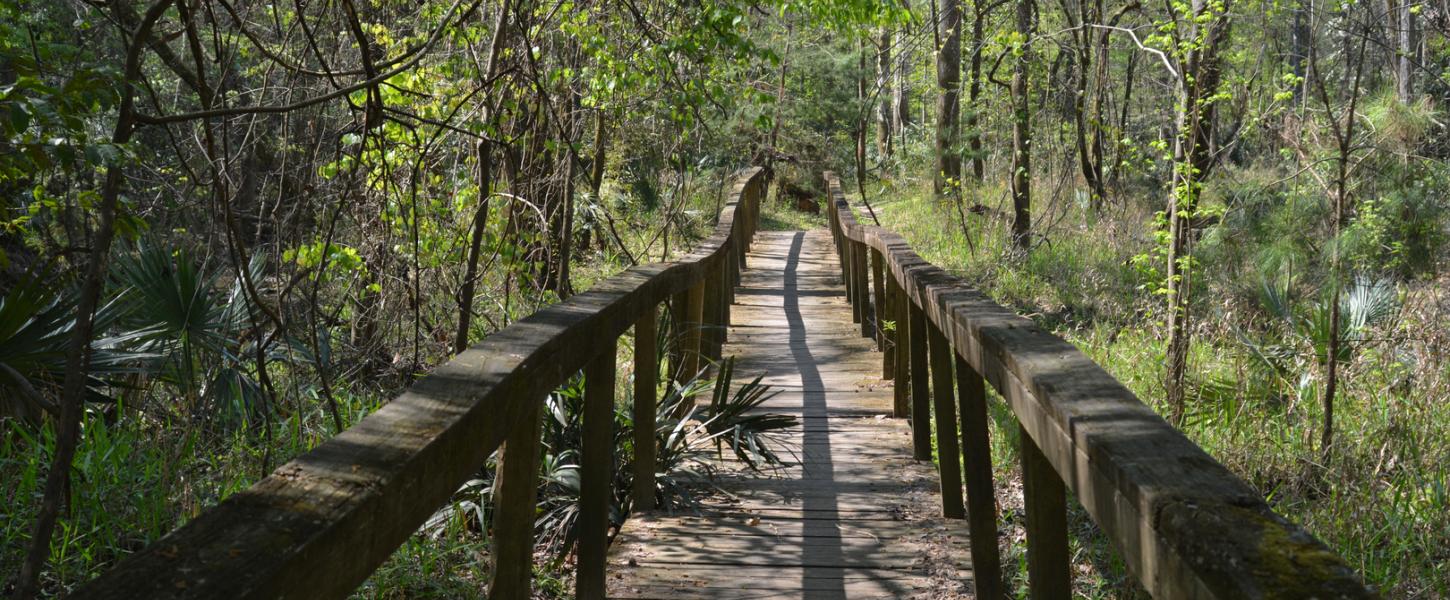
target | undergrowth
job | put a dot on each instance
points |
(1380, 501)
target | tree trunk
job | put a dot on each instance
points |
(863, 115)
(949, 102)
(475, 247)
(901, 91)
(1088, 13)
(1200, 73)
(485, 190)
(1404, 24)
(1022, 132)
(974, 92)
(884, 141)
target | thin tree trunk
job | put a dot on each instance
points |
(901, 90)
(1404, 21)
(949, 100)
(1193, 160)
(1118, 147)
(475, 246)
(863, 113)
(1343, 129)
(1022, 132)
(974, 93)
(885, 95)
(485, 191)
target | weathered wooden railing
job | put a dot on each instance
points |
(1185, 526)
(319, 525)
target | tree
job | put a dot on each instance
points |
(949, 104)
(1022, 128)
(1206, 28)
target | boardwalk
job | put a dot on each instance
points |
(856, 517)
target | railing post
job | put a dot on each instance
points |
(514, 508)
(863, 288)
(732, 279)
(981, 495)
(690, 330)
(714, 297)
(596, 466)
(920, 397)
(742, 246)
(901, 364)
(646, 377)
(1046, 503)
(679, 307)
(878, 296)
(848, 270)
(948, 454)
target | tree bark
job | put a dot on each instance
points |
(885, 96)
(1022, 132)
(901, 90)
(949, 104)
(974, 92)
(1404, 23)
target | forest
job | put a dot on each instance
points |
(230, 231)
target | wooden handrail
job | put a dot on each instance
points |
(319, 525)
(1185, 526)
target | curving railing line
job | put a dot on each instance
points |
(320, 524)
(1185, 526)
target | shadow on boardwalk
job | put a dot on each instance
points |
(855, 516)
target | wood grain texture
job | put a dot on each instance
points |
(981, 493)
(596, 473)
(920, 389)
(512, 572)
(853, 515)
(1185, 526)
(646, 387)
(944, 404)
(1049, 566)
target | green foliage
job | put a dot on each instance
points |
(36, 327)
(179, 312)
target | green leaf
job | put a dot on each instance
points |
(19, 118)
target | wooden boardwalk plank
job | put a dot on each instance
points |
(854, 515)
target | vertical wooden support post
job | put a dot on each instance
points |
(646, 378)
(690, 330)
(732, 278)
(1046, 502)
(679, 306)
(948, 454)
(596, 472)
(878, 298)
(863, 289)
(920, 393)
(890, 337)
(849, 269)
(743, 236)
(709, 312)
(981, 495)
(514, 506)
(901, 363)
